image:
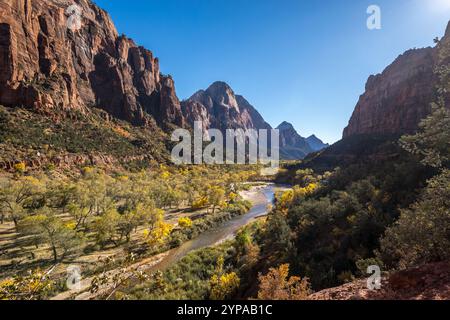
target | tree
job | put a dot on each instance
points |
(223, 285)
(432, 142)
(216, 196)
(105, 228)
(305, 177)
(130, 220)
(49, 229)
(421, 234)
(247, 252)
(277, 235)
(18, 197)
(277, 286)
(158, 234)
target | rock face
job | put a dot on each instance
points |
(397, 99)
(218, 107)
(44, 64)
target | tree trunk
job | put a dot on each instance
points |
(16, 224)
(55, 254)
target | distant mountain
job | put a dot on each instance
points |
(316, 144)
(293, 146)
(218, 107)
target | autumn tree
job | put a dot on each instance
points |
(159, 234)
(35, 285)
(277, 285)
(216, 196)
(223, 285)
(184, 223)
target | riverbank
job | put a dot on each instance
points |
(261, 196)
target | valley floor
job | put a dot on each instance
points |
(89, 263)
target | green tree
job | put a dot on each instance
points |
(105, 228)
(19, 197)
(432, 142)
(49, 229)
(422, 234)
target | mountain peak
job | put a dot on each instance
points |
(219, 85)
(285, 126)
(219, 107)
(220, 88)
(315, 143)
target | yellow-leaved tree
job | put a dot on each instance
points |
(223, 285)
(276, 285)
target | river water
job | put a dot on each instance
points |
(262, 197)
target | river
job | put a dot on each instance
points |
(261, 197)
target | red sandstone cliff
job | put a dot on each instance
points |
(44, 64)
(397, 99)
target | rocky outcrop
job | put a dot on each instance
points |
(218, 107)
(428, 282)
(397, 99)
(46, 64)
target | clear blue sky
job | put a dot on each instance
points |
(304, 61)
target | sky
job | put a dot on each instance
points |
(302, 61)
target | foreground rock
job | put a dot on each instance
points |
(429, 282)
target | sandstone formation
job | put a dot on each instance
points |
(46, 64)
(397, 99)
